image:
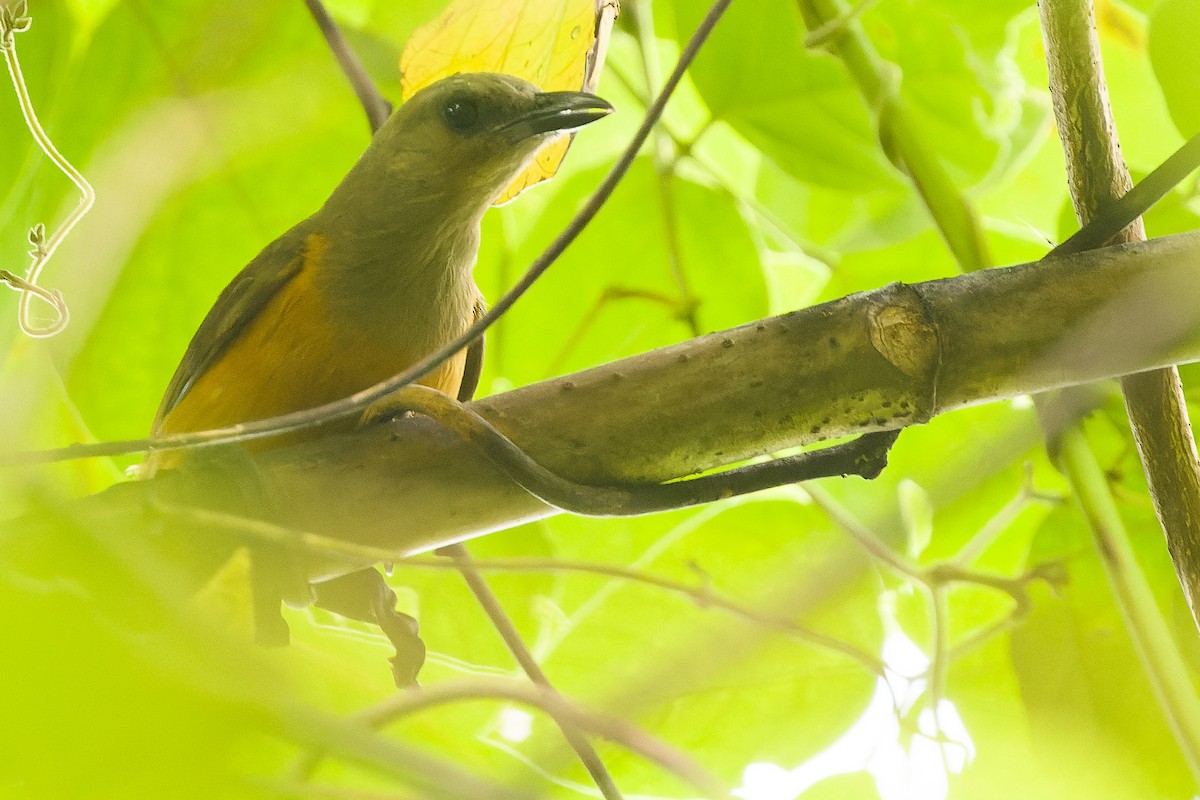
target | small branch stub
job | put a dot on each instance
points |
(903, 333)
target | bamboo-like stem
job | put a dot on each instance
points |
(1165, 667)
(952, 213)
(1154, 400)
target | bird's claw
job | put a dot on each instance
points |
(384, 409)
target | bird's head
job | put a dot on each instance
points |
(470, 134)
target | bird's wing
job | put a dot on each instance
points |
(237, 306)
(474, 361)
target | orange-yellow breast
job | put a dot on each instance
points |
(295, 355)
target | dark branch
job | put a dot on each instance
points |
(378, 109)
(1114, 217)
(865, 456)
(516, 645)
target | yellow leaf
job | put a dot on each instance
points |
(546, 42)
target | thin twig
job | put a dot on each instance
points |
(1052, 573)
(13, 20)
(360, 401)
(611, 294)
(865, 537)
(376, 106)
(939, 576)
(703, 596)
(356, 555)
(1000, 521)
(560, 709)
(664, 164)
(516, 645)
(721, 181)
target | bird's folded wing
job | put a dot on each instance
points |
(238, 305)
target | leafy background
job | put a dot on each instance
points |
(209, 128)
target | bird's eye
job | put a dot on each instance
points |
(461, 114)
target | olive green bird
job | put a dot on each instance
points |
(376, 280)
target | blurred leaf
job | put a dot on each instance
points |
(1144, 122)
(858, 785)
(187, 194)
(1119, 744)
(111, 652)
(917, 513)
(1174, 31)
(546, 42)
(951, 94)
(988, 26)
(987, 694)
(698, 676)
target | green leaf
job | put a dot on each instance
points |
(1174, 31)
(801, 110)
(724, 688)
(614, 293)
(210, 128)
(1095, 719)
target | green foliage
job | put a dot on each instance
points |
(1175, 25)
(209, 128)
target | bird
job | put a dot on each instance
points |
(378, 278)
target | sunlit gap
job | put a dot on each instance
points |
(514, 725)
(906, 763)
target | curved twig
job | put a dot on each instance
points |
(576, 738)
(561, 710)
(355, 555)
(13, 20)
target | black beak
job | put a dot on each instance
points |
(558, 111)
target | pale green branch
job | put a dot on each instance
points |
(878, 82)
(1097, 176)
(1144, 622)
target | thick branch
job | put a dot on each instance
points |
(872, 361)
